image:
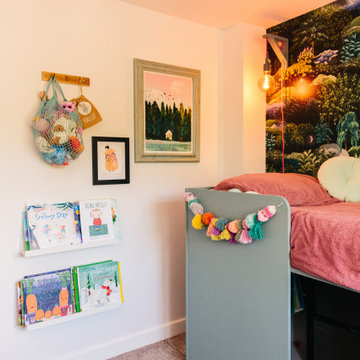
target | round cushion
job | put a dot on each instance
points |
(340, 176)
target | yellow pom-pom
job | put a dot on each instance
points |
(196, 222)
(225, 235)
(215, 237)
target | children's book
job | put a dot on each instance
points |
(26, 231)
(20, 303)
(47, 296)
(96, 218)
(51, 225)
(97, 285)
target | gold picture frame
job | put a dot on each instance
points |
(167, 112)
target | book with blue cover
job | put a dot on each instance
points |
(97, 285)
(47, 296)
(51, 225)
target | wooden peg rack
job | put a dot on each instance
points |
(66, 79)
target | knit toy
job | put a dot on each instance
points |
(240, 231)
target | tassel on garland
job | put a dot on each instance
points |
(255, 232)
(236, 231)
(225, 235)
(245, 238)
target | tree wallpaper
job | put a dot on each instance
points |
(321, 90)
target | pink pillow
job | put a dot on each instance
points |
(298, 189)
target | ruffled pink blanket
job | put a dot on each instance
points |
(325, 242)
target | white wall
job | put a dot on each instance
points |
(99, 39)
(242, 104)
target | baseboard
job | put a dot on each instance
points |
(130, 342)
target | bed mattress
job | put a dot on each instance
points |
(325, 242)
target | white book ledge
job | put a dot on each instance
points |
(90, 244)
(71, 317)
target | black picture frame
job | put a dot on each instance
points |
(112, 166)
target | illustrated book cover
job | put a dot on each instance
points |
(47, 296)
(97, 285)
(96, 219)
(51, 225)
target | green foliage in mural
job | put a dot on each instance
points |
(321, 27)
(270, 141)
(324, 50)
(310, 162)
(312, 113)
(323, 133)
(294, 110)
(302, 111)
(354, 151)
(339, 98)
(351, 47)
(299, 70)
(294, 140)
(348, 127)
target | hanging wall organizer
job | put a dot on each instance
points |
(66, 79)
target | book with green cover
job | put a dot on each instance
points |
(97, 285)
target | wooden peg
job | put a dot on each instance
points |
(66, 79)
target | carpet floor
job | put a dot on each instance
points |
(170, 349)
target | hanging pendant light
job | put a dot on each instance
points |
(266, 82)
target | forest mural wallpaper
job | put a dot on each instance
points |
(322, 90)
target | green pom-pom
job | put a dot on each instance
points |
(256, 232)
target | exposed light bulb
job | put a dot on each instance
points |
(266, 82)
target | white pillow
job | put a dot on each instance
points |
(340, 176)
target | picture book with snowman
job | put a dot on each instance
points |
(51, 225)
(97, 285)
(96, 218)
(46, 296)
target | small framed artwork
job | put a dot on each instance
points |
(110, 160)
(167, 118)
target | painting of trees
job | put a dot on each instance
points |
(159, 120)
(348, 127)
(322, 121)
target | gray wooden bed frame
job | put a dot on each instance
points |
(238, 296)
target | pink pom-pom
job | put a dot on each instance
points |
(266, 213)
(245, 238)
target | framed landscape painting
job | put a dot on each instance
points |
(167, 119)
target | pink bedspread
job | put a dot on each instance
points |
(325, 242)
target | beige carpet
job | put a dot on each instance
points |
(169, 349)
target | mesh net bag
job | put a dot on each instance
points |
(57, 128)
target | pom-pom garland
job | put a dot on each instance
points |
(196, 222)
(241, 231)
(206, 218)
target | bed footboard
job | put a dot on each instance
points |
(238, 296)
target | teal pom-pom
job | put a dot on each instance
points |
(249, 220)
(221, 224)
(256, 232)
